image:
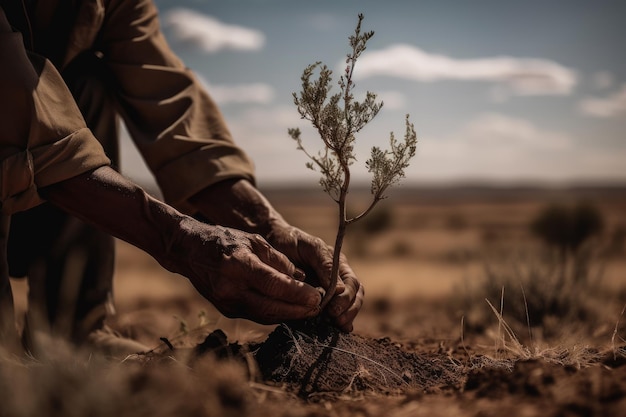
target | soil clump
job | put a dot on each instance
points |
(311, 358)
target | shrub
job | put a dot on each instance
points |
(540, 293)
(567, 228)
(338, 118)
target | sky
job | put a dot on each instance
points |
(504, 92)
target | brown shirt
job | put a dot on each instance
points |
(43, 138)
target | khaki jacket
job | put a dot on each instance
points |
(43, 138)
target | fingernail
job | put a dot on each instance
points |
(321, 290)
(314, 301)
(299, 275)
(315, 311)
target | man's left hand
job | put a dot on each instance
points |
(304, 249)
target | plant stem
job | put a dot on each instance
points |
(365, 212)
(341, 231)
(334, 275)
(337, 128)
(345, 166)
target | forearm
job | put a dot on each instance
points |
(238, 204)
(240, 273)
(116, 205)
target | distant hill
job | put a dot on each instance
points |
(424, 194)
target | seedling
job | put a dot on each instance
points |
(338, 118)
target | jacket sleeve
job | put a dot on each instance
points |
(43, 137)
(176, 126)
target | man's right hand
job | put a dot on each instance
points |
(241, 274)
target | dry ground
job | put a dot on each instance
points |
(424, 277)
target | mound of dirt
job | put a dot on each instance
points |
(311, 358)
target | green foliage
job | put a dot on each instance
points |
(338, 118)
(388, 166)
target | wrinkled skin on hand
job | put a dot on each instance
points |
(304, 249)
(241, 274)
(237, 203)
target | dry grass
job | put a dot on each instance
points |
(541, 299)
(578, 345)
(66, 382)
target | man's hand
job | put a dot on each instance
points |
(241, 274)
(238, 204)
(304, 249)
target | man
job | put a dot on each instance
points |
(68, 68)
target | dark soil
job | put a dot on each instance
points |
(557, 390)
(310, 369)
(312, 358)
(319, 363)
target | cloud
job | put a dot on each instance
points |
(610, 106)
(491, 146)
(521, 76)
(243, 93)
(602, 80)
(268, 119)
(210, 34)
(393, 100)
(253, 93)
(495, 147)
(262, 132)
(499, 131)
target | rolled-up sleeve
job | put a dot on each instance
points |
(43, 137)
(176, 126)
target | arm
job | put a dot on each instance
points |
(237, 203)
(237, 271)
(176, 126)
(47, 151)
(181, 134)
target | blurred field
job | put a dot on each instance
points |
(424, 259)
(435, 242)
(436, 237)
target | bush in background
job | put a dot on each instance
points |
(552, 290)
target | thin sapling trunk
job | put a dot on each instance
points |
(338, 118)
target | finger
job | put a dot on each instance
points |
(316, 253)
(281, 287)
(344, 307)
(266, 310)
(342, 300)
(277, 260)
(299, 275)
(346, 318)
